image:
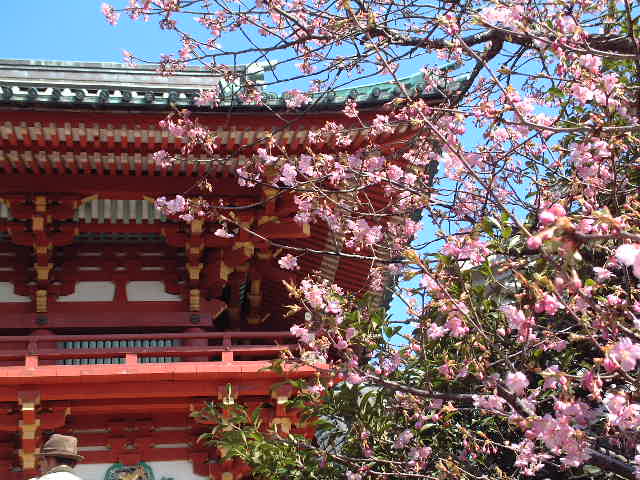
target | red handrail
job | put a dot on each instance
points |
(146, 336)
(227, 350)
(55, 354)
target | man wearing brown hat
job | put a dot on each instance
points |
(57, 458)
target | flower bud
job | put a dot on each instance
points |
(547, 217)
(534, 242)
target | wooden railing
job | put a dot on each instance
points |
(131, 348)
(103, 344)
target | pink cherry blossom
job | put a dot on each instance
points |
(558, 210)
(534, 242)
(265, 156)
(303, 334)
(524, 189)
(351, 108)
(436, 331)
(529, 461)
(622, 414)
(176, 206)
(316, 389)
(110, 13)
(296, 99)
(554, 378)
(162, 158)
(341, 344)
(288, 262)
(288, 175)
(209, 98)
(602, 274)
(547, 217)
(625, 354)
(349, 333)
(518, 320)
(445, 370)
(354, 378)
(627, 253)
(489, 402)
(566, 23)
(592, 383)
(591, 63)
(456, 326)
(517, 382)
(403, 439)
(549, 304)
(223, 233)
(582, 93)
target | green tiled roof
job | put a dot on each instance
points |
(114, 85)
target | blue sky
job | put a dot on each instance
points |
(74, 30)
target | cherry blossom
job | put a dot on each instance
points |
(629, 255)
(624, 354)
(517, 382)
(110, 13)
(288, 262)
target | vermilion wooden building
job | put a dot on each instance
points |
(116, 322)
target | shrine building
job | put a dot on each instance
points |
(117, 322)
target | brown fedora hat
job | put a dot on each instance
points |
(64, 446)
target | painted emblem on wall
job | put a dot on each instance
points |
(118, 471)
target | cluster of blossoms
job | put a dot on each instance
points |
(623, 355)
(110, 13)
(629, 255)
(195, 136)
(288, 262)
(474, 250)
(178, 206)
(296, 99)
(322, 296)
(162, 159)
(209, 98)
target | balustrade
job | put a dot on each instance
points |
(100, 349)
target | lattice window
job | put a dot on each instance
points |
(106, 210)
(120, 237)
(108, 344)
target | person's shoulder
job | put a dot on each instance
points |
(60, 476)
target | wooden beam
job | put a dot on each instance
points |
(284, 228)
(186, 352)
(124, 186)
(97, 315)
(164, 381)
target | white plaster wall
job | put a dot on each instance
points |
(147, 291)
(176, 470)
(91, 292)
(8, 295)
(92, 471)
